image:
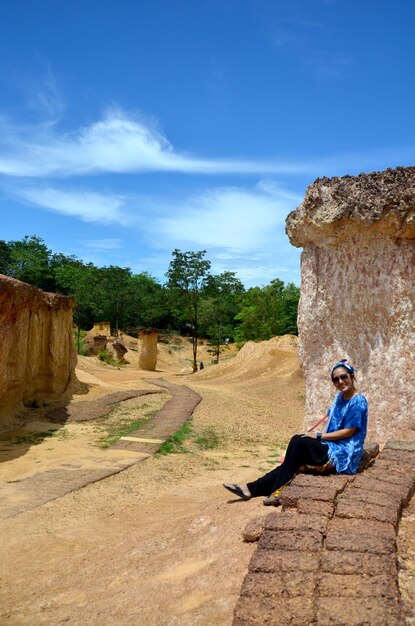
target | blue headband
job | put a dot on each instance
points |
(345, 363)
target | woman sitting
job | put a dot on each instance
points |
(338, 449)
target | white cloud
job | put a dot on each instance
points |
(125, 144)
(228, 217)
(86, 205)
(242, 229)
(117, 144)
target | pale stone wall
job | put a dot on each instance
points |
(147, 359)
(36, 346)
(358, 292)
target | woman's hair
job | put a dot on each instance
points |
(344, 363)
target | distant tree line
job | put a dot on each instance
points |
(192, 300)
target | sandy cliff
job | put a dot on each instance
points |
(36, 347)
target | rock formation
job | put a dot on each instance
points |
(99, 343)
(119, 350)
(101, 328)
(36, 347)
(358, 292)
(148, 349)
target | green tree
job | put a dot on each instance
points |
(291, 297)
(4, 257)
(187, 276)
(221, 303)
(149, 303)
(268, 311)
(28, 260)
(116, 283)
(82, 281)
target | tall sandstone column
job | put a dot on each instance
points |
(147, 359)
(36, 346)
(358, 292)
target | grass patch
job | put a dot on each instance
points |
(105, 357)
(244, 465)
(80, 347)
(125, 417)
(174, 444)
(34, 438)
(120, 430)
(208, 439)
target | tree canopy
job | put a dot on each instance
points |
(192, 300)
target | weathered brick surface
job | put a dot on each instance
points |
(371, 497)
(254, 529)
(366, 511)
(390, 465)
(355, 525)
(295, 521)
(280, 584)
(337, 481)
(391, 477)
(284, 561)
(358, 586)
(315, 507)
(342, 562)
(330, 556)
(374, 484)
(302, 539)
(275, 611)
(292, 494)
(356, 536)
(355, 541)
(339, 611)
(399, 457)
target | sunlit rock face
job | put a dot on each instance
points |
(36, 346)
(358, 292)
(147, 359)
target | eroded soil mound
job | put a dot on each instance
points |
(274, 358)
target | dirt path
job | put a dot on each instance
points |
(26, 493)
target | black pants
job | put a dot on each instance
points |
(300, 451)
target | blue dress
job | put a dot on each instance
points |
(345, 454)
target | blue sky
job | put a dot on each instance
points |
(131, 128)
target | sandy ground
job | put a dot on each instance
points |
(159, 543)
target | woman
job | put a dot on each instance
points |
(338, 449)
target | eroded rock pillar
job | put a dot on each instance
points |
(148, 349)
(358, 292)
(36, 347)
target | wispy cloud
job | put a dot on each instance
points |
(122, 144)
(231, 217)
(44, 96)
(86, 205)
(308, 42)
(117, 144)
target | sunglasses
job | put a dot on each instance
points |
(336, 379)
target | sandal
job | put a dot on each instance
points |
(237, 491)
